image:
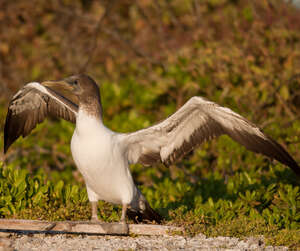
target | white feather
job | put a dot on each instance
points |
(100, 158)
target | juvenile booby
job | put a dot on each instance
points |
(103, 156)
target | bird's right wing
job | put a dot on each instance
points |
(196, 121)
(30, 106)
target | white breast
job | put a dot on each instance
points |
(99, 157)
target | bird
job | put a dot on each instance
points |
(104, 156)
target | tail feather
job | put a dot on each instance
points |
(144, 215)
(141, 211)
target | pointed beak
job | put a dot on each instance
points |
(62, 88)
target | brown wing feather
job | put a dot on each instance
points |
(30, 107)
(197, 121)
(266, 146)
(199, 135)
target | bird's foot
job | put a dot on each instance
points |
(94, 218)
(122, 221)
(124, 226)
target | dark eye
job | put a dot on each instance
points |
(75, 82)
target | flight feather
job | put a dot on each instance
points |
(30, 106)
(197, 121)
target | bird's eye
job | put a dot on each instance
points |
(75, 82)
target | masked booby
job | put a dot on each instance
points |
(103, 156)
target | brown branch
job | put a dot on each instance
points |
(196, 12)
(174, 18)
(145, 16)
(115, 34)
(96, 33)
(74, 14)
(285, 106)
(4, 90)
(139, 53)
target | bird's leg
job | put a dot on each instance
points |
(124, 210)
(93, 198)
(94, 205)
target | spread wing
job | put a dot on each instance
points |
(197, 121)
(30, 106)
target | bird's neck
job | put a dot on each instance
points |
(87, 123)
(91, 106)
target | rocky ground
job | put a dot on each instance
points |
(43, 242)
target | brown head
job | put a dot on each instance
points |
(81, 90)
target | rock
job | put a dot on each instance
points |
(6, 244)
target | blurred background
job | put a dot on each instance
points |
(149, 58)
(217, 43)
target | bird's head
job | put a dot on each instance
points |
(74, 88)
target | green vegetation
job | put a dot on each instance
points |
(241, 54)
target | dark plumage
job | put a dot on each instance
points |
(30, 107)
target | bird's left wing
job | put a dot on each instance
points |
(196, 121)
(30, 106)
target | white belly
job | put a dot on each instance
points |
(99, 158)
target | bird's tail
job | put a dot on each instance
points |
(141, 211)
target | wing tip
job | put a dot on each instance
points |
(295, 167)
(7, 140)
(7, 143)
(285, 158)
